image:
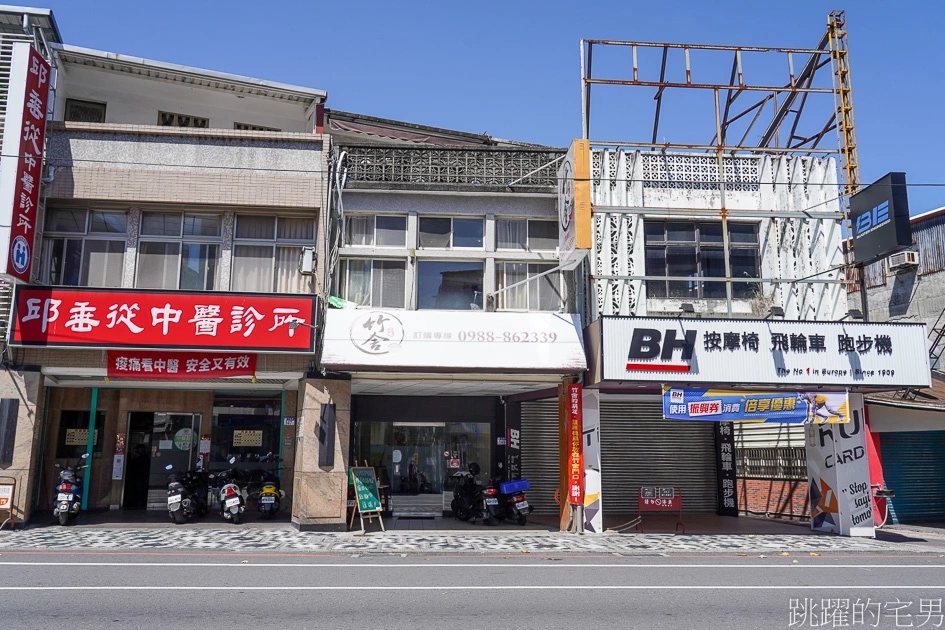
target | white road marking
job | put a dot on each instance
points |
(569, 587)
(554, 565)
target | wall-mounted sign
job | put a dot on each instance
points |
(24, 132)
(118, 466)
(289, 421)
(423, 340)
(247, 438)
(574, 205)
(720, 405)
(79, 437)
(185, 439)
(179, 366)
(126, 318)
(204, 447)
(725, 473)
(879, 215)
(764, 352)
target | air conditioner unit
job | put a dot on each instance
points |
(901, 260)
(307, 261)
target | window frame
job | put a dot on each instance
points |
(177, 119)
(83, 236)
(373, 217)
(451, 246)
(698, 244)
(562, 290)
(274, 243)
(344, 274)
(451, 261)
(102, 107)
(528, 245)
(181, 240)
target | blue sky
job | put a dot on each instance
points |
(512, 69)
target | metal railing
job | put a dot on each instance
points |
(452, 166)
(772, 462)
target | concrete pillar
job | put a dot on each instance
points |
(25, 387)
(320, 492)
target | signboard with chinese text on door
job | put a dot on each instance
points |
(125, 318)
(180, 366)
(24, 134)
(721, 405)
(365, 489)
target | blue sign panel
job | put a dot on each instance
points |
(716, 405)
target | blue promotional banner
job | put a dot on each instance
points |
(719, 405)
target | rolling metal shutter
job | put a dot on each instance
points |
(914, 467)
(540, 453)
(640, 448)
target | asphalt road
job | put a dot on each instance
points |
(196, 590)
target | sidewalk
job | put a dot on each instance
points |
(282, 538)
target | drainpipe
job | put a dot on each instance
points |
(281, 430)
(90, 449)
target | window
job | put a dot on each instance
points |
(695, 250)
(444, 233)
(170, 119)
(266, 253)
(449, 285)
(541, 294)
(378, 283)
(248, 127)
(376, 231)
(84, 111)
(178, 251)
(84, 248)
(526, 235)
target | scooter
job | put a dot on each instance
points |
(466, 493)
(69, 491)
(512, 499)
(185, 494)
(270, 494)
(232, 496)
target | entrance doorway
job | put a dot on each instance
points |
(155, 441)
(414, 460)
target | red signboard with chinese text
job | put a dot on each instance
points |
(24, 134)
(575, 446)
(125, 318)
(179, 366)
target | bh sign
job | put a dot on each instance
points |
(880, 217)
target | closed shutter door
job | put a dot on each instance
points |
(539, 441)
(914, 467)
(640, 448)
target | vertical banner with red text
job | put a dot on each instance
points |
(575, 446)
(24, 133)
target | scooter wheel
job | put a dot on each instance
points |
(522, 519)
(63, 518)
(178, 516)
(236, 518)
(489, 520)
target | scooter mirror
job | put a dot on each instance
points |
(233, 459)
(58, 466)
(169, 466)
(85, 455)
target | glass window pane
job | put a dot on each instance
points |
(681, 261)
(449, 285)
(676, 231)
(157, 265)
(255, 227)
(654, 231)
(710, 232)
(102, 263)
(359, 231)
(656, 261)
(713, 266)
(508, 274)
(510, 234)
(288, 278)
(160, 223)
(389, 283)
(544, 292)
(202, 225)
(356, 280)
(743, 232)
(744, 264)
(252, 268)
(296, 229)
(467, 232)
(434, 232)
(72, 221)
(542, 235)
(391, 231)
(198, 267)
(109, 223)
(63, 260)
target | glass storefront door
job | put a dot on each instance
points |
(415, 460)
(157, 440)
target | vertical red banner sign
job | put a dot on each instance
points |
(575, 446)
(24, 133)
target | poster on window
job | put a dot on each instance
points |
(242, 437)
(719, 405)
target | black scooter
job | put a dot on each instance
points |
(186, 494)
(466, 500)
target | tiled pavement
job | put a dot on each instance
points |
(285, 539)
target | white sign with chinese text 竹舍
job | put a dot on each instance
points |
(765, 352)
(526, 342)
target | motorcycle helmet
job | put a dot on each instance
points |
(474, 468)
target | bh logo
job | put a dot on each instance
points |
(20, 254)
(871, 220)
